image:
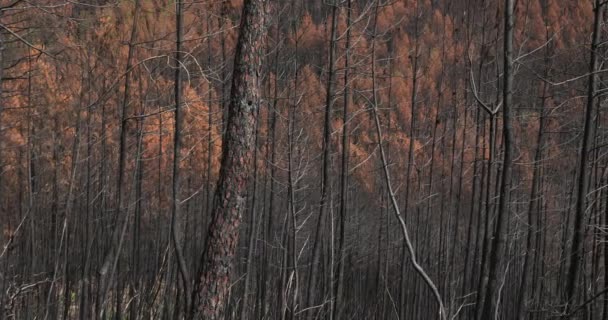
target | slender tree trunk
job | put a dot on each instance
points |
(489, 304)
(403, 289)
(2, 289)
(474, 180)
(531, 251)
(387, 179)
(574, 260)
(112, 256)
(209, 196)
(272, 152)
(86, 259)
(224, 74)
(344, 175)
(325, 181)
(292, 219)
(176, 181)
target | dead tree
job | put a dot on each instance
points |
(213, 281)
(582, 178)
(489, 302)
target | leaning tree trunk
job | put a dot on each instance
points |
(213, 281)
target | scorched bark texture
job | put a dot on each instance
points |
(213, 281)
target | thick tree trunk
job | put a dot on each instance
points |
(252, 233)
(213, 282)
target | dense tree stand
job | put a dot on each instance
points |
(304, 159)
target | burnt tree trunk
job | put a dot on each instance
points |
(494, 270)
(574, 258)
(213, 281)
